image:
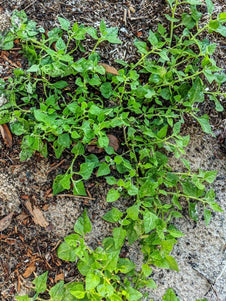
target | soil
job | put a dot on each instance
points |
(27, 249)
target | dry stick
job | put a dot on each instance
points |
(57, 244)
(124, 16)
(75, 196)
(30, 5)
(9, 61)
(138, 18)
(55, 166)
(212, 284)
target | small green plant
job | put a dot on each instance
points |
(80, 103)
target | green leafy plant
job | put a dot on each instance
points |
(147, 101)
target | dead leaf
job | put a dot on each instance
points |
(6, 221)
(29, 270)
(6, 135)
(95, 149)
(59, 277)
(113, 142)
(109, 69)
(37, 214)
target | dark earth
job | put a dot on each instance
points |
(26, 248)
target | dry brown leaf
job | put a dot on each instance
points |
(109, 69)
(5, 222)
(113, 142)
(37, 214)
(95, 149)
(59, 277)
(29, 270)
(6, 135)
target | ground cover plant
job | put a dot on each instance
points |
(83, 102)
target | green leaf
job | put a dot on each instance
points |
(103, 141)
(66, 252)
(78, 149)
(190, 189)
(119, 235)
(78, 188)
(86, 169)
(193, 213)
(92, 32)
(60, 183)
(152, 38)
(210, 196)
(188, 21)
(57, 291)
(65, 24)
(132, 294)
(150, 221)
(23, 298)
(195, 94)
(72, 239)
(40, 283)
(33, 68)
(170, 295)
(83, 224)
(218, 105)
(146, 270)
(112, 195)
(106, 290)
(169, 18)
(162, 133)
(102, 27)
(77, 290)
(175, 201)
(194, 2)
(106, 90)
(92, 280)
(125, 265)
(60, 45)
(172, 263)
(61, 84)
(204, 122)
(133, 212)
(215, 207)
(141, 46)
(174, 231)
(208, 176)
(103, 169)
(134, 231)
(113, 216)
(207, 216)
(210, 6)
(186, 163)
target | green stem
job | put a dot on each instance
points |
(184, 195)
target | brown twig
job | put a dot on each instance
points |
(76, 196)
(138, 18)
(9, 61)
(124, 16)
(30, 5)
(55, 166)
